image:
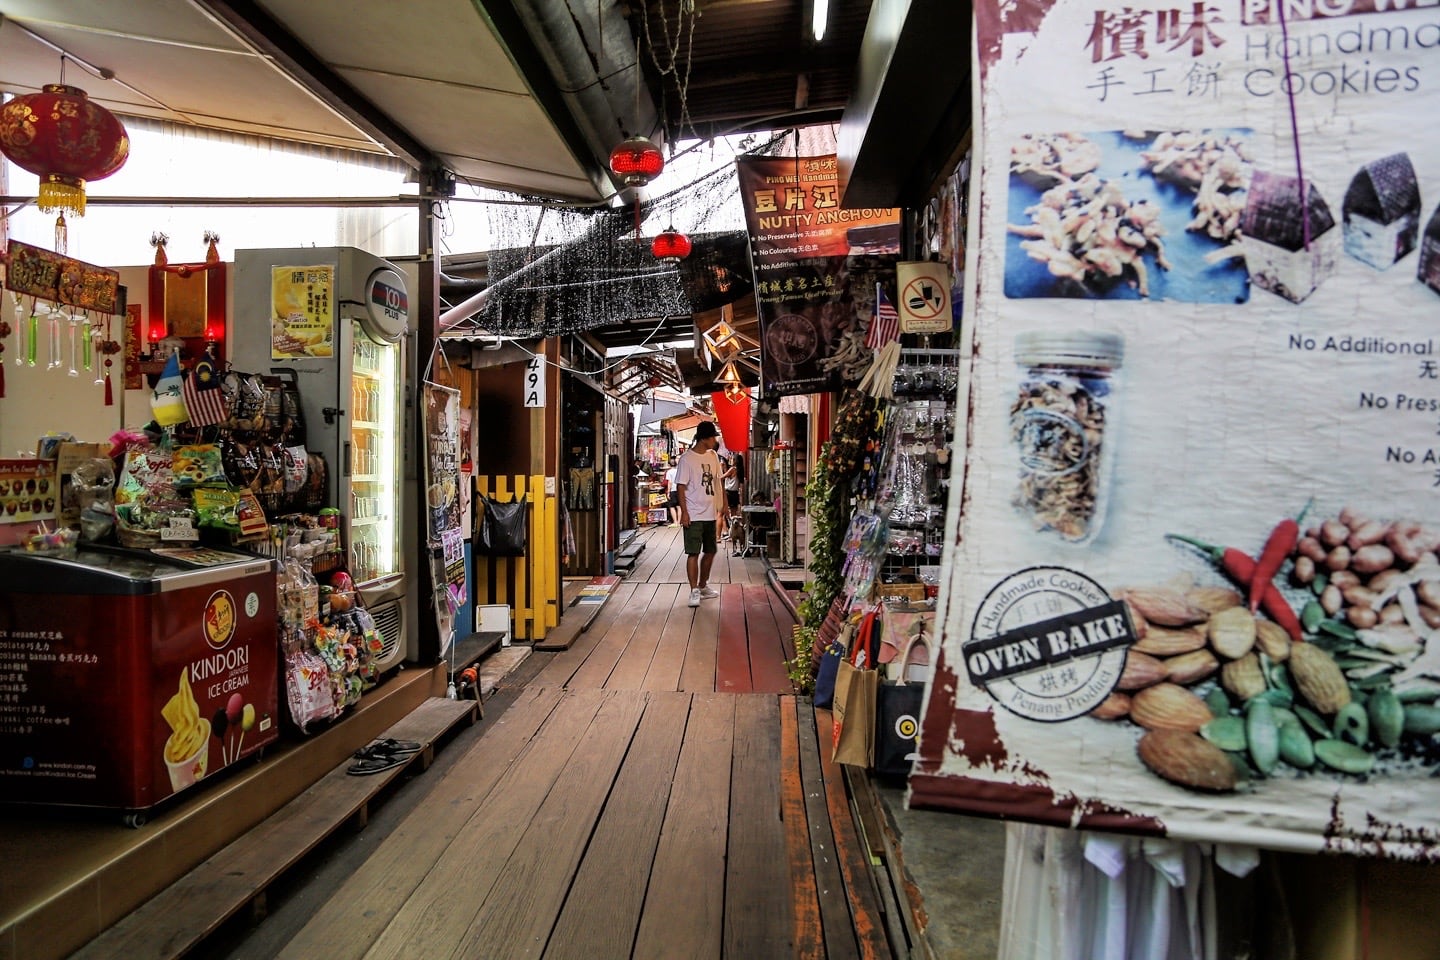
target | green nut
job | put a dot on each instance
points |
(1295, 746)
(1318, 585)
(1419, 695)
(1313, 721)
(1311, 616)
(1227, 733)
(1284, 715)
(1387, 716)
(1338, 630)
(1352, 724)
(1275, 696)
(1218, 701)
(1344, 757)
(1280, 679)
(1261, 736)
(1422, 719)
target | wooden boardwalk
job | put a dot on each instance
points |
(655, 791)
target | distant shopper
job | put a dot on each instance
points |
(672, 496)
(735, 482)
(701, 503)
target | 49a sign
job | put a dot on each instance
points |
(1048, 644)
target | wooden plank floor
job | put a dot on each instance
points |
(654, 793)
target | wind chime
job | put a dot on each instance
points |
(64, 138)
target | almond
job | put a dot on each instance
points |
(1319, 678)
(1167, 706)
(1187, 759)
(1242, 678)
(1272, 640)
(1169, 641)
(1232, 632)
(1141, 670)
(1213, 599)
(1112, 707)
(1191, 667)
(1165, 607)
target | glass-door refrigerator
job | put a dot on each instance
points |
(337, 318)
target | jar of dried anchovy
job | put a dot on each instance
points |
(1062, 425)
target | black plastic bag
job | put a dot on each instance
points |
(502, 527)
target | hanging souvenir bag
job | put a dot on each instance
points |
(897, 713)
(830, 658)
(855, 423)
(855, 683)
(502, 527)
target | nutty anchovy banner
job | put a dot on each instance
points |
(816, 265)
(1195, 584)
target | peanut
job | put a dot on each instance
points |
(1350, 518)
(1428, 591)
(1382, 580)
(1338, 558)
(1359, 596)
(1430, 615)
(1371, 531)
(1333, 533)
(1344, 578)
(1304, 570)
(1394, 613)
(1399, 541)
(1362, 618)
(1331, 600)
(1312, 548)
(1372, 559)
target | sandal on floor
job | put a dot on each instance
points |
(388, 748)
(375, 764)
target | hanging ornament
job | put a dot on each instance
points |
(109, 348)
(65, 139)
(212, 255)
(4, 335)
(158, 241)
(670, 246)
(636, 161)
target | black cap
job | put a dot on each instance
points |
(706, 430)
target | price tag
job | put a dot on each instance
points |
(179, 528)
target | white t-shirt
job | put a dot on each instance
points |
(699, 474)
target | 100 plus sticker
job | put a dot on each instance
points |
(1048, 643)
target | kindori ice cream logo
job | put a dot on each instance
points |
(219, 620)
(1048, 644)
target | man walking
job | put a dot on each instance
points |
(702, 500)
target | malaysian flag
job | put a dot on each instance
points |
(885, 326)
(206, 405)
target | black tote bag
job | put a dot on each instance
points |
(502, 527)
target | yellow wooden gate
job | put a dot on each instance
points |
(530, 585)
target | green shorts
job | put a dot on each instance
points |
(699, 536)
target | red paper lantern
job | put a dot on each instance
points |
(670, 246)
(65, 139)
(636, 161)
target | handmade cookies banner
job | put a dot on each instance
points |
(1195, 584)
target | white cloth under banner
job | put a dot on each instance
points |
(1077, 895)
(799, 403)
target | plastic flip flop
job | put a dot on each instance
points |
(399, 748)
(375, 764)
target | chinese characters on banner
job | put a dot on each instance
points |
(816, 265)
(1195, 588)
(302, 312)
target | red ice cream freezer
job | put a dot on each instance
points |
(126, 677)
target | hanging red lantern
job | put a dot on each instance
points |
(65, 139)
(636, 161)
(670, 246)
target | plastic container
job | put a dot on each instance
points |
(1063, 424)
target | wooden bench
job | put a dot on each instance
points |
(175, 920)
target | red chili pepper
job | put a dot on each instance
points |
(1240, 567)
(1277, 549)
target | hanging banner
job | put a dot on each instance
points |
(924, 297)
(816, 266)
(302, 312)
(1195, 587)
(443, 481)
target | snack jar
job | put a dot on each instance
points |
(1063, 425)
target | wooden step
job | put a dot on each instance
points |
(174, 921)
(578, 616)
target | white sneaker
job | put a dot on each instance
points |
(709, 593)
(694, 598)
